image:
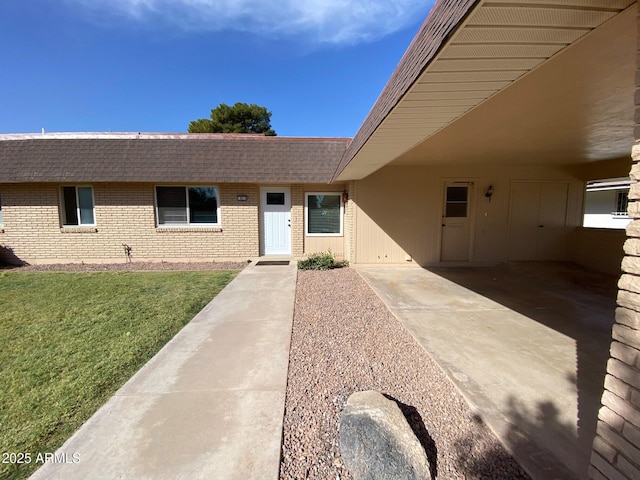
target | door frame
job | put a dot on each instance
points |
(263, 211)
(471, 217)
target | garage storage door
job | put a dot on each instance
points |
(537, 220)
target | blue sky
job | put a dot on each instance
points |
(154, 65)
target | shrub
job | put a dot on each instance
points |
(321, 261)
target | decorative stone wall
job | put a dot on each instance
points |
(616, 447)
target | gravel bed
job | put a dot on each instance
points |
(344, 340)
(133, 266)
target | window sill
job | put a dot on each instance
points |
(78, 230)
(324, 234)
(188, 230)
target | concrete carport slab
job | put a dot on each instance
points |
(526, 344)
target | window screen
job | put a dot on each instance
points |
(323, 214)
(85, 205)
(172, 205)
(187, 205)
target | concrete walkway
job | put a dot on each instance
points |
(209, 405)
(527, 345)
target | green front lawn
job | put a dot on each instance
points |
(68, 341)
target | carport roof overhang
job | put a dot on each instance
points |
(507, 83)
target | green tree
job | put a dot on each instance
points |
(239, 118)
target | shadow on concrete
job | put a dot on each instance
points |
(420, 431)
(525, 423)
(571, 300)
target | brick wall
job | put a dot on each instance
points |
(297, 220)
(349, 223)
(124, 213)
(616, 447)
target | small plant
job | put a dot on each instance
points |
(321, 261)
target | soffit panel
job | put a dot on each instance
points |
(444, 95)
(391, 133)
(478, 76)
(481, 64)
(501, 52)
(612, 4)
(495, 34)
(467, 86)
(500, 43)
(546, 17)
(417, 103)
(434, 111)
(576, 108)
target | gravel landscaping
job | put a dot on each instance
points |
(345, 340)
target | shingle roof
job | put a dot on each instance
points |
(182, 158)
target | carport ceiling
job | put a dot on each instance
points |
(532, 82)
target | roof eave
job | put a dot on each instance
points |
(445, 17)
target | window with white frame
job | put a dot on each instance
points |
(77, 206)
(605, 203)
(324, 213)
(180, 206)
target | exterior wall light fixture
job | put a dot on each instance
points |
(489, 192)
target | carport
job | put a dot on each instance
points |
(526, 343)
(477, 153)
(510, 111)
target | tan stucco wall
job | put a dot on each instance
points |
(597, 248)
(399, 210)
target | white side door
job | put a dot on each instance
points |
(455, 223)
(275, 203)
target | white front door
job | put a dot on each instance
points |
(276, 220)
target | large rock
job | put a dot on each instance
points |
(377, 443)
